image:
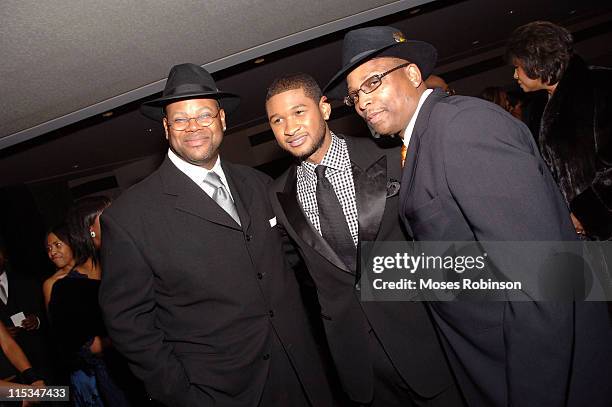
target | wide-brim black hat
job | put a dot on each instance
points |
(188, 81)
(372, 42)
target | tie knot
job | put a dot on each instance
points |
(213, 179)
(320, 171)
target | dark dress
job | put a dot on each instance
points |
(76, 319)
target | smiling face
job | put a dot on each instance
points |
(389, 108)
(298, 123)
(198, 145)
(58, 251)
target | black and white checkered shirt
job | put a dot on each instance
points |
(340, 175)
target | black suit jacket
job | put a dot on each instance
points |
(473, 173)
(404, 329)
(196, 303)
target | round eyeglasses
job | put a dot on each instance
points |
(205, 119)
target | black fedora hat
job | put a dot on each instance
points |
(188, 81)
(363, 44)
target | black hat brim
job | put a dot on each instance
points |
(154, 109)
(420, 53)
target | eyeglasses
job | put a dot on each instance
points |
(369, 85)
(181, 123)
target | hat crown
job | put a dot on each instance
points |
(185, 79)
(189, 81)
(362, 44)
(366, 40)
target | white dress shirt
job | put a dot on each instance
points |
(410, 127)
(197, 173)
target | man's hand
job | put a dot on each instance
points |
(30, 323)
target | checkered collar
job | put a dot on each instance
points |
(336, 159)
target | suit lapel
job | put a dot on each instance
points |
(370, 180)
(191, 198)
(242, 193)
(297, 221)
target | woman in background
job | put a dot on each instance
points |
(76, 317)
(58, 248)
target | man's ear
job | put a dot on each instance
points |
(222, 117)
(414, 75)
(165, 121)
(325, 107)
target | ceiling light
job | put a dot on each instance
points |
(415, 11)
(259, 60)
(107, 114)
(475, 42)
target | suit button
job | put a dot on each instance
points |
(266, 356)
(271, 313)
(248, 238)
(259, 276)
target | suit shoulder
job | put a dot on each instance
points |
(463, 122)
(135, 197)
(466, 105)
(465, 112)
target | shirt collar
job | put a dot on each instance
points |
(411, 123)
(335, 157)
(195, 172)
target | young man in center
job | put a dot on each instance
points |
(343, 191)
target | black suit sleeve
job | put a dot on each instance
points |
(499, 182)
(127, 299)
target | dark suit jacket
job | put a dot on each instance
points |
(196, 303)
(474, 173)
(403, 328)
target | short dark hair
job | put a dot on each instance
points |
(543, 50)
(295, 81)
(79, 219)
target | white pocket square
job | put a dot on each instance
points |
(272, 222)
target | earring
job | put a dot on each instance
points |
(223, 128)
(92, 233)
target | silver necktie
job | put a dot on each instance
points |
(3, 293)
(221, 195)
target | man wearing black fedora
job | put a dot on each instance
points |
(196, 291)
(473, 173)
